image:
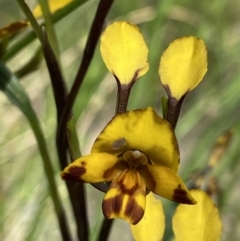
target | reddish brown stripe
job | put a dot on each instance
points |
(112, 205)
(180, 196)
(74, 173)
(69, 177)
(133, 211)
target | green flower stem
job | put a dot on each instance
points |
(76, 190)
(48, 23)
(50, 28)
(31, 65)
(73, 142)
(31, 35)
(11, 86)
(31, 19)
(33, 120)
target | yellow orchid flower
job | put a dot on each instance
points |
(200, 222)
(137, 152)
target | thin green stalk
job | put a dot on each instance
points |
(31, 19)
(33, 120)
(76, 190)
(52, 36)
(11, 86)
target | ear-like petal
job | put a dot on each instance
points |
(199, 222)
(94, 168)
(166, 183)
(124, 51)
(152, 225)
(183, 65)
(140, 130)
(125, 198)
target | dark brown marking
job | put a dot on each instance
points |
(173, 107)
(69, 177)
(133, 211)
(126, 190)
(118, 203)
(83, 163)
(112, 205)
(77, 171)
(180, 196)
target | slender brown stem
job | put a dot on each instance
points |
(76, 191)
(173, 111)
(58, 83)
(123, 96)
(105, 229)
(96, 29)
(173, 108)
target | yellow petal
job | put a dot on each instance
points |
(125, 198)
(141, 130)
(152, 225)
(124, 51)
(97, 167)
(164, 182)
(200, 222)
(13, 28)
(54, 5)
(183, 65)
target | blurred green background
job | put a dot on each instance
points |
(26, 211)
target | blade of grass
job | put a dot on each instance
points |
(31, 19)
(76, 191)
(31, 35)
(31, 65)
(50, 28)
(10, 85)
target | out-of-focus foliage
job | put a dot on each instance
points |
(26, 211)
